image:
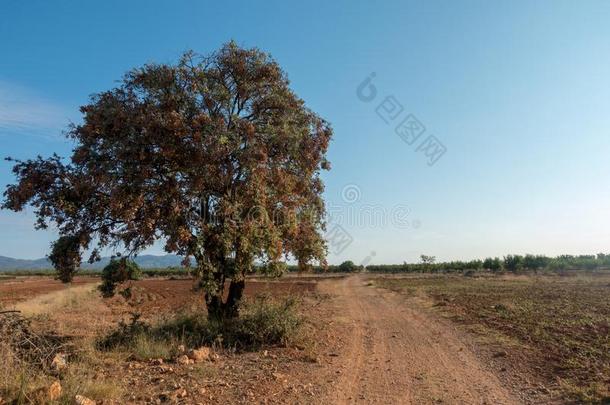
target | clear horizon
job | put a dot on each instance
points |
(515, 95)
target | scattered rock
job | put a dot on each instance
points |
(181, 349)
(165, 369)
(81, 400)
(134, 366)
(59, 362)
(184, 360)
(278, 376)
(500, 354)
(156, 362)
(201, 354)
(53, 393)
(180, 393)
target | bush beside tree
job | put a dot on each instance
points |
(118, 271)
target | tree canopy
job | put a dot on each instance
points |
(215, 155)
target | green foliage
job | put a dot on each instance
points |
(428, 259)
(65, 257)
(263, 322)
(475, 265)
(535, 263)
(513, 263)
(492, 264)
(271, 269)
(116, 272)
(446, 267)
(349, 267)
(125, 333)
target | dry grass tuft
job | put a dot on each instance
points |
(72, 297)
(26, 351)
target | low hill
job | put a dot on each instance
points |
(144, 261)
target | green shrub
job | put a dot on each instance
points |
(117, 272)
(263, 322)
(513, 263)
(348, 267)
(125, 334)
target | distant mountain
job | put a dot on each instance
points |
(144, 261)
(8, 263)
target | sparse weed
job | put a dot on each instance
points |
(262, 322)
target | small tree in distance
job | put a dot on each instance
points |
(428, 259)
(348, 266)
(65, 257)
(492, 264)
(214, 155)
(427, 262)
(513, 263)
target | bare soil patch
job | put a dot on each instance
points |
(405, 343)
(394, 351)
(549, 336)
(23, 288)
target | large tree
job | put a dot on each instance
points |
(214, 155)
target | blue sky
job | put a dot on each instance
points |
(517, 92)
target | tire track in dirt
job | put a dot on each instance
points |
(398, 353)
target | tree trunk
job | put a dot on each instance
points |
(236, 292)
(214, 306)
(214, 299)
(219, 309)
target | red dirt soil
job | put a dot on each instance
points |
(23, 288)
(369, 345)
(154, 293)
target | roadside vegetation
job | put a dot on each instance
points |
(46, 357)
(509, 263)
(52, 351)
(263, 321)
(562, 323)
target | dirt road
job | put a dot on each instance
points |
(398, 353)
